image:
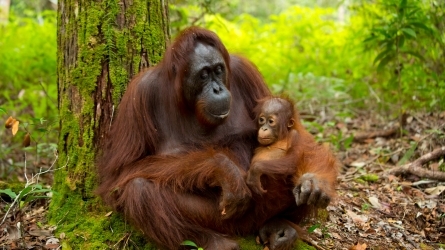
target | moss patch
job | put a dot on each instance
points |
(101, 45)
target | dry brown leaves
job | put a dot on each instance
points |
(390, 212)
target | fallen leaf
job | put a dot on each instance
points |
(52, 246)
(427, 204)
(13, 232)
(336, 236)
(109, 213)
(359, 247)
(360, 219)
(435, 190)
(358, 164)
(40, 232)
(52, 240)
(375, 202)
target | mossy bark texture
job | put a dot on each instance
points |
(102, 44)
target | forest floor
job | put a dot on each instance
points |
(374, 209)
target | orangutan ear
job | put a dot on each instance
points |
(291, 123)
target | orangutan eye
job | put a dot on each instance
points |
(261, 121)
(204, 75)
(271, 122)
(218, 70)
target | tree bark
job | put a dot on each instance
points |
(102, 44)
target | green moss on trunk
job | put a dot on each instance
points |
(102, 44)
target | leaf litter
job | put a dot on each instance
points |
(372, 210)
(388, 212)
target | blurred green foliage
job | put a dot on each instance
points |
(330, 56)
(28, 66)
(28, 84)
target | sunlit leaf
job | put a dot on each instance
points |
(15, 127)
(9, 122)
(435, 190)
(189, 243)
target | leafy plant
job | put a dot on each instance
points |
(407, 42)
(28, 194)
(191, 244)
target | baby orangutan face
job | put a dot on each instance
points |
(274, 121)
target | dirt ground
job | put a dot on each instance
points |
(375, 209)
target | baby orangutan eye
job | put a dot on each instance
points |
(261, 120)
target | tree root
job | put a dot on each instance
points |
(415, 167)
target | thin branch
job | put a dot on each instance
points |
(415, 167)
(381, 133)
(28, 183)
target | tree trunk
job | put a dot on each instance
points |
(102, 44)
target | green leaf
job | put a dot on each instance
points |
(370, 39)
(415, 54)
(348, 142)
(8, 192)
(401, 41)
(403, 4)
(30, 198)
(419, 25)
(370, 177)
(312, 228)
(408, 154)
(24, 192)
(2, 110)
(409, 32)
(385, 61)
(189, 243)
(381, 55)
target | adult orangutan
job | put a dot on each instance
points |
(176, 156)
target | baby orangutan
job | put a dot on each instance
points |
(287, 150)
(289, 159)
(276, 134)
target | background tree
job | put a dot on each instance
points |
(101, 46)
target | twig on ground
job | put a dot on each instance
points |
(361, 136)
(312, 243)
(415, 167)
(34, 179)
